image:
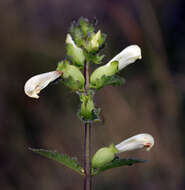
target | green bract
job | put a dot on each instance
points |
(103, 156)
(85, 26)
(88, 112)
(98, 77)
(72, 76)
(87, 107)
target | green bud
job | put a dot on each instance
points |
(85, 26)
(73, 78)
(103, 156)
(75, 53)
(94, 42)
(76, 34)
(87, 107)
(98, 77)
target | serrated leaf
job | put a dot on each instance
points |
(61, 158)
(117, 163)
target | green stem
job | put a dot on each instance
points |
(87, 141)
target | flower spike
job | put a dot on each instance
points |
(38, 82)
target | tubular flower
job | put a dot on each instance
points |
(106, 154)
(38, 82)
(127, 56)
(136, 142)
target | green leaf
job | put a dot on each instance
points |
(116, 163)
(61, 158)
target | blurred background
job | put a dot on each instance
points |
(32, 41)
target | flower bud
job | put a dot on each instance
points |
(127, 56)
(103, 156)
(74, 52)
(36, 83)
(72, 76)
(95, 40)
(85, 26)
(87, 107)
(136, 142)
(97, 80)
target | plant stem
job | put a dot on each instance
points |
(87, 157)
(87, 141)
(86, 76)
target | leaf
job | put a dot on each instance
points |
(61, 158)
(117, 163)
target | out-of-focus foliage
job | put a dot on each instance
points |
(32, 39)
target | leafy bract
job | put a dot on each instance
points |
(116, 163)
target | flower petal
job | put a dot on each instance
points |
(36, 83)
(127, 56)
(136, 142)
(69, 40)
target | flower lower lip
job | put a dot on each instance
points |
(147, 145)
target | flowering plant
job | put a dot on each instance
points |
(83, 45)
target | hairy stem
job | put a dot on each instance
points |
(87, 157)
(87, 141)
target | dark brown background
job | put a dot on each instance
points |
(32, 36)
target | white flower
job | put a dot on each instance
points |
(136, 142)
(36, 83)
(127, 56)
